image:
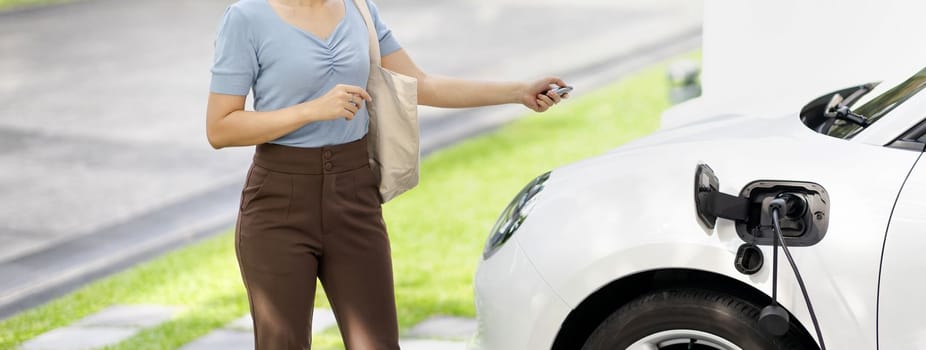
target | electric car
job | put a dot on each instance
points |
(677, 240)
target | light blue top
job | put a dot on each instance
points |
(286, 65)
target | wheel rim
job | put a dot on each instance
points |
(683, 339)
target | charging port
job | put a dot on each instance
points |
(803, 225)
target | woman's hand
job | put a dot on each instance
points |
(539, 97)
(342, 101)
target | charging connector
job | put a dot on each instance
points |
(774, 318)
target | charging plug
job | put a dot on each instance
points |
(774, 319)
(779, 203)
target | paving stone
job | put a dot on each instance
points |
(444, 327)
(79, 338)
(322, 319)
(242, 324)
(223, 339)
(130, 316)
(238, 334)
(107, 327)
(432, 345)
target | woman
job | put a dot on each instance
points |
(310, 205)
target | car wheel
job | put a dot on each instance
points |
(689, 319)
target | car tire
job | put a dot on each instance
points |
(709, 317)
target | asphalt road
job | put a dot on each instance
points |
(103, 155)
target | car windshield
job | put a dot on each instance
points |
(879, 106)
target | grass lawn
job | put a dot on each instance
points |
(437, 230)
(6, 4)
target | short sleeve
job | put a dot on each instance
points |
(235, 67)
(387, 42)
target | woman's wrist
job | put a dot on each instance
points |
(519, 90)
(305, 112)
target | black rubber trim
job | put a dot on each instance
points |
(913, 139)
(908, 145)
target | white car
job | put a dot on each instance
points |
(667, 242)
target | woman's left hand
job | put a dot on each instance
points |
(539, 97)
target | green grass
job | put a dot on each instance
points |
(437, 230)
(8, 4)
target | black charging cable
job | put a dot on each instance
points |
(774, 316)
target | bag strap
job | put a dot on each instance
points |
(371, 29)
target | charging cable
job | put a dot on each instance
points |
(774, 316)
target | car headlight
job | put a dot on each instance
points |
(514, 215)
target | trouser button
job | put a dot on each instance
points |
(328, 166)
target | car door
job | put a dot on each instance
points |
(901, 305)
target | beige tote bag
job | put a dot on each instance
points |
(393, 136)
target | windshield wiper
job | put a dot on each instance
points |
(837, 109)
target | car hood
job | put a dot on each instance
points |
(742, 142)
(722, 128)
(657, 171)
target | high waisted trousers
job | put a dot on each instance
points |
(310, 213)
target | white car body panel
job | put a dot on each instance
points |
(632, 210)
(902, 305)
(527, 303)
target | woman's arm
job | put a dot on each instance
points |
(447, 92)
(228, 124)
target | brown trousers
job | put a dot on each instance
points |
(310, 213)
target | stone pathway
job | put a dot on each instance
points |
(106, 327)
(238, 333)
(439, 333)
(119, 323)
